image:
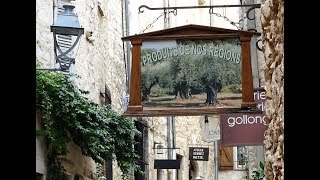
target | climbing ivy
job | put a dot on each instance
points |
(68, 115)
(259, 174)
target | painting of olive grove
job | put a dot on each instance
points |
(191, 73)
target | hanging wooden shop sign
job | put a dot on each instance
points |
(190, 70)
(242, 129)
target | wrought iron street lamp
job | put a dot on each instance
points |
(66, 34)
(158, 147)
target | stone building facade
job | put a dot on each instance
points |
(187, 128)
(272, 21)
(187, 133)
(100, 66)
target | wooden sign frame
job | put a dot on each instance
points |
(190, 32)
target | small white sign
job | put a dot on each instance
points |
(210, 128)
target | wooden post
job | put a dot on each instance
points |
(135, 81)
(247, 82)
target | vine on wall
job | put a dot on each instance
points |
(67, 115)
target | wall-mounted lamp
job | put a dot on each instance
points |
(66, 34)
(158, 147)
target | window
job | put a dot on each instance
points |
(233, 158)
(241, 158)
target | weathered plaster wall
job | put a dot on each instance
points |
(99, 61)
(188, 134)
(272, 21)
(260, 55)
(252, 158)
(44, 38)
(187, 129)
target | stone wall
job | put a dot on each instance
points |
(187, 130)
(44, 38)
(272, 21)
(187, 134)
(99, 61)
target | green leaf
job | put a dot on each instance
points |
(261, 165)
(40, 132)
(100, 132)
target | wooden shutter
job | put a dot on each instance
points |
(225, 157)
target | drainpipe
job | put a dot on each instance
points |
(169, 23)
(54, 18)
(169, 142)
(166, 19)
(211, 18)
(127, 55)
(173, 132)
(169, 137)
(128, 46)
(55, 11)
(173, 120)
(216, 170)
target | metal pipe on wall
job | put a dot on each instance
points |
(216, 171)
(55, 11)
(128, 46)
(173, 132)
(54, 18)
(211, 18)
(174, 156)
(166, 20)
(169, 137)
